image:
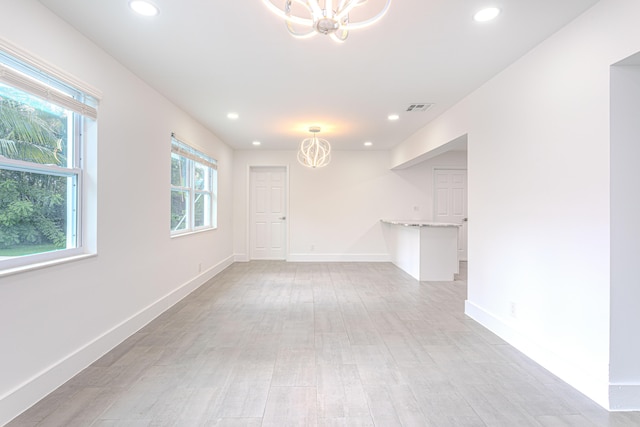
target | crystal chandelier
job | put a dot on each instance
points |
(305, 18)
(314, 152)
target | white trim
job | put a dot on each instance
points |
(49, 69)
(19, 399)
(37, 88)
(184, 149)
(597, 389)
(316, 257)
(624, 397)
(241, 258)
(31, 167)
(247, 220)
(319, 257)
(203, 149)
(44, 264)
(191, 232)
(18, 264)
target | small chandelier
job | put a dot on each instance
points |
(314, 152)
(305, 18)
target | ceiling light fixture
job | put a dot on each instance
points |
(368, 144)
(305, 18)
(486, 14)
(314, 152)
(393, 117)
(232, 116)
(256, 143)
(144, 8)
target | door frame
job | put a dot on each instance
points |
(248, 228)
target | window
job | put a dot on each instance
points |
(42, 123)
(194, 182)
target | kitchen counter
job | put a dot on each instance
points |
(418, 223)
(426, 250)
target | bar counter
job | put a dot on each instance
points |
(428, 251)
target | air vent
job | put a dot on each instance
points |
(419, 107)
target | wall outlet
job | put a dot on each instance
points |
(514, 310)
(312, 248)
(200, 267)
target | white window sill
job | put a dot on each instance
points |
(190, 233)
(43, 264)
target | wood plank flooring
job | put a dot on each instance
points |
(327, 344)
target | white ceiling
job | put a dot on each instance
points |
(212, 57)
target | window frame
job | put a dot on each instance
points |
(24, 72)
(194, 156)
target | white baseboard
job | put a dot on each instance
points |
(624, 397)
(241, 258)
(41, 384)
(597, 389)
(319, 257)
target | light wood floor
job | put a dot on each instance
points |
(338, 344)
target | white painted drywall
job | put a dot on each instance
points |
(337, 209)
(625, 233)
(538, 153)
(55, 321)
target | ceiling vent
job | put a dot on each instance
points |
(419, 107)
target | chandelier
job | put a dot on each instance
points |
(314, 152)
(305, 18)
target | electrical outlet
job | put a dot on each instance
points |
(313, 248)
(200, 267)
(514, 310)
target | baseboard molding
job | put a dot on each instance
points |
(241, 258)
(40, 385)
(597, 389)
(624, 397)
(319, 257)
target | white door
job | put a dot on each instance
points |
(268, 231)
(450, 203)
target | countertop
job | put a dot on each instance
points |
(418, 223)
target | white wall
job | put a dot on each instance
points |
(538, 153)
(337, 209)
(55, 321)
(625, 230)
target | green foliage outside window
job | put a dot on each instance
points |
(33, 206)
(192, 188)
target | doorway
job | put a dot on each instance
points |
(450, 203)
(268, 213)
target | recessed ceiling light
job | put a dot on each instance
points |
(256, 143)
(233, 116)
(486, 14)
(368, 144)
(393, 117)
(144, 8)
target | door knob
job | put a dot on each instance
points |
(283, 218)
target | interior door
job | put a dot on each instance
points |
(450, 203)
(268, 216)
